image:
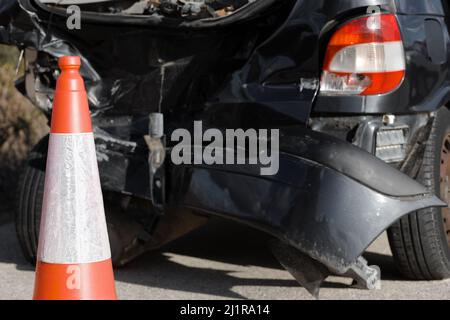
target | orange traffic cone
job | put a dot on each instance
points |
(74, 257)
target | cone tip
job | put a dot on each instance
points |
(69, 62)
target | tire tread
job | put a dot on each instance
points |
(416, 240)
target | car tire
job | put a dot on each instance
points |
(29, 201)
(420, 241)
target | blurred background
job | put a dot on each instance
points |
(21, 127)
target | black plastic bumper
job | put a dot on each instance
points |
(330, 199)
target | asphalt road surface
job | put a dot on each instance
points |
(220, 261)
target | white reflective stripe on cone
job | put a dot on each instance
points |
(73, 225)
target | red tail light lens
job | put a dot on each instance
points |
(364, 57)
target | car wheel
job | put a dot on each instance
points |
(420, 242)
(29, 201)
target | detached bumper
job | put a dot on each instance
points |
(329, 199)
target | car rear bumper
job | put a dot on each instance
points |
(329, 199)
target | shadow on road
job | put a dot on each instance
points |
(207, 261)
(230, 244)
(387, 265)
(221, 242)
(9, 247)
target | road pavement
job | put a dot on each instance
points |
(220, 261)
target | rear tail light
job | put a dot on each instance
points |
(364, 57)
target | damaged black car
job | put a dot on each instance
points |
(359, 91)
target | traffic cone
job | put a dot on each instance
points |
(74, 257)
